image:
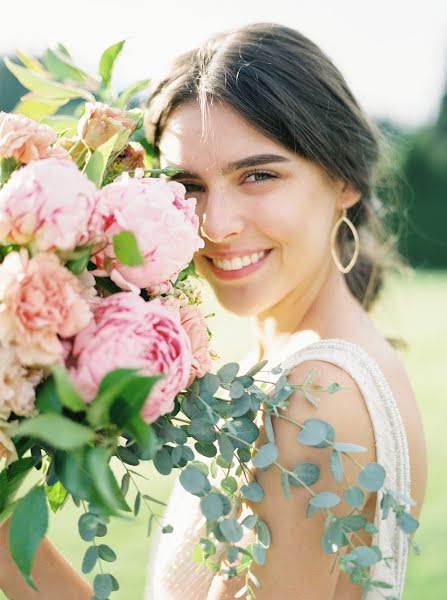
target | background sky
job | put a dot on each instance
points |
(393, 53)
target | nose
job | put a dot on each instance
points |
(220, 218)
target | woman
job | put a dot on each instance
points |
(276, 150)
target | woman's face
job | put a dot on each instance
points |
(266, 214)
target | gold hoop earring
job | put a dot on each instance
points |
(333, 245)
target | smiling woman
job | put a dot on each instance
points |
(278, 154)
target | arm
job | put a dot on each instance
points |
(296, 567)
(54, 577)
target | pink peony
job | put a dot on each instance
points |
(195, 326)
(128, 332)
(49, 204)
(17, 385)
(163, 222)
(101, 122)
(26, 140)
(40, 300)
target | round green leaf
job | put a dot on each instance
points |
(253, 492)
(315, 433)
(194, 481)
(324, 500)
(365, 556)
(106, 553)
(228, 372)
(87, 526)
(231, 529)
(162, 461)
(212, 506)
(354, 496)
(307, 472)
(258, 553)
(407, 522)
(103, 586)
(265, 456)
(372, 477)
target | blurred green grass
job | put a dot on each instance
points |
(410, 308)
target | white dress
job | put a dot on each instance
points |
(172, 572)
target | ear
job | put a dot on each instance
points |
(348, 195)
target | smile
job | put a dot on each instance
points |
(239, 266)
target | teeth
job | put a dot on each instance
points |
(239, 262)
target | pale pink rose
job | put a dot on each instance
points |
(40, 301)
(7, 449)
(130, 333)
(195, 326)
(162, 288)
(50, 205)
(163, 222)
(17, 385)
(26, 140)
(101, 122)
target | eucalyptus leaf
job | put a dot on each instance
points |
(354, 496)
(315, 433)
(406, 522)
(231, 529)
(324, 500)
(252, 491)
(225, 446)
(265, 456)
(103, 586)
(285, 484)
(263, 533)
(345, 447)
(194, 481)
(212, 506)
(307, 472)
(89, 560)
(163, 462)
(228, 372)
(336, 465)
(106, 553)
(372, 477)
(258, 554)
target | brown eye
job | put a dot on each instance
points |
(258, 176)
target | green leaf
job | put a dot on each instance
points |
(56, 495)
(268, 428)
(194, 481)
(7, 167)
(107, 62)
(162, 461)
(36, 108)
(324, 500)
(127, 94)
(31, 63)
(231, 529)
(47, 399)
(252, 491)
(66, 391)
(228, 372)
(243, 428)
(105, 484)
(208, 450)
(106, 553)
(307, 472)
(56, 430)
(43, 87)
(89, 560)
(263, 533)
(62, 123)
(144, 436)
(103, 586)
(137, 504)
(250, 521)
(126, 249)
(71, 470)
(226, 447)
(342, 447)
(87, 526)
(315, 432)
(212, 506)
(285, 484)
(167, 529)
(365, 556)
(354, 496)
(79, 264)
(236, 389)
(336, 465)
(97, 163)
(265, 456)
(61, 66)
(372, 477)
(11, 478)
(258, 554)
(28, 526)
(406, 522)
(202, 429)
(353, 522)
(125, 481)
(229, 484)
(127, 456)
(256, 368)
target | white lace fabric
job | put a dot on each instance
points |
(172, 572)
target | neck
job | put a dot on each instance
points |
(322, 307)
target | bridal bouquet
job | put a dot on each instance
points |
(105, 352)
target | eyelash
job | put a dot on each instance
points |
(269, 174)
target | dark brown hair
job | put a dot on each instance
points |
(287, 88)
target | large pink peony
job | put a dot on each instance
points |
(26, 140)
(40, 301)
(195, 326)
(130, 333)
(163, 221)
(48, 204)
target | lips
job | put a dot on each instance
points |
(227, 273)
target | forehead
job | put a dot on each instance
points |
(196, 140)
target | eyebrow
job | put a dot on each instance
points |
(250, 161)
